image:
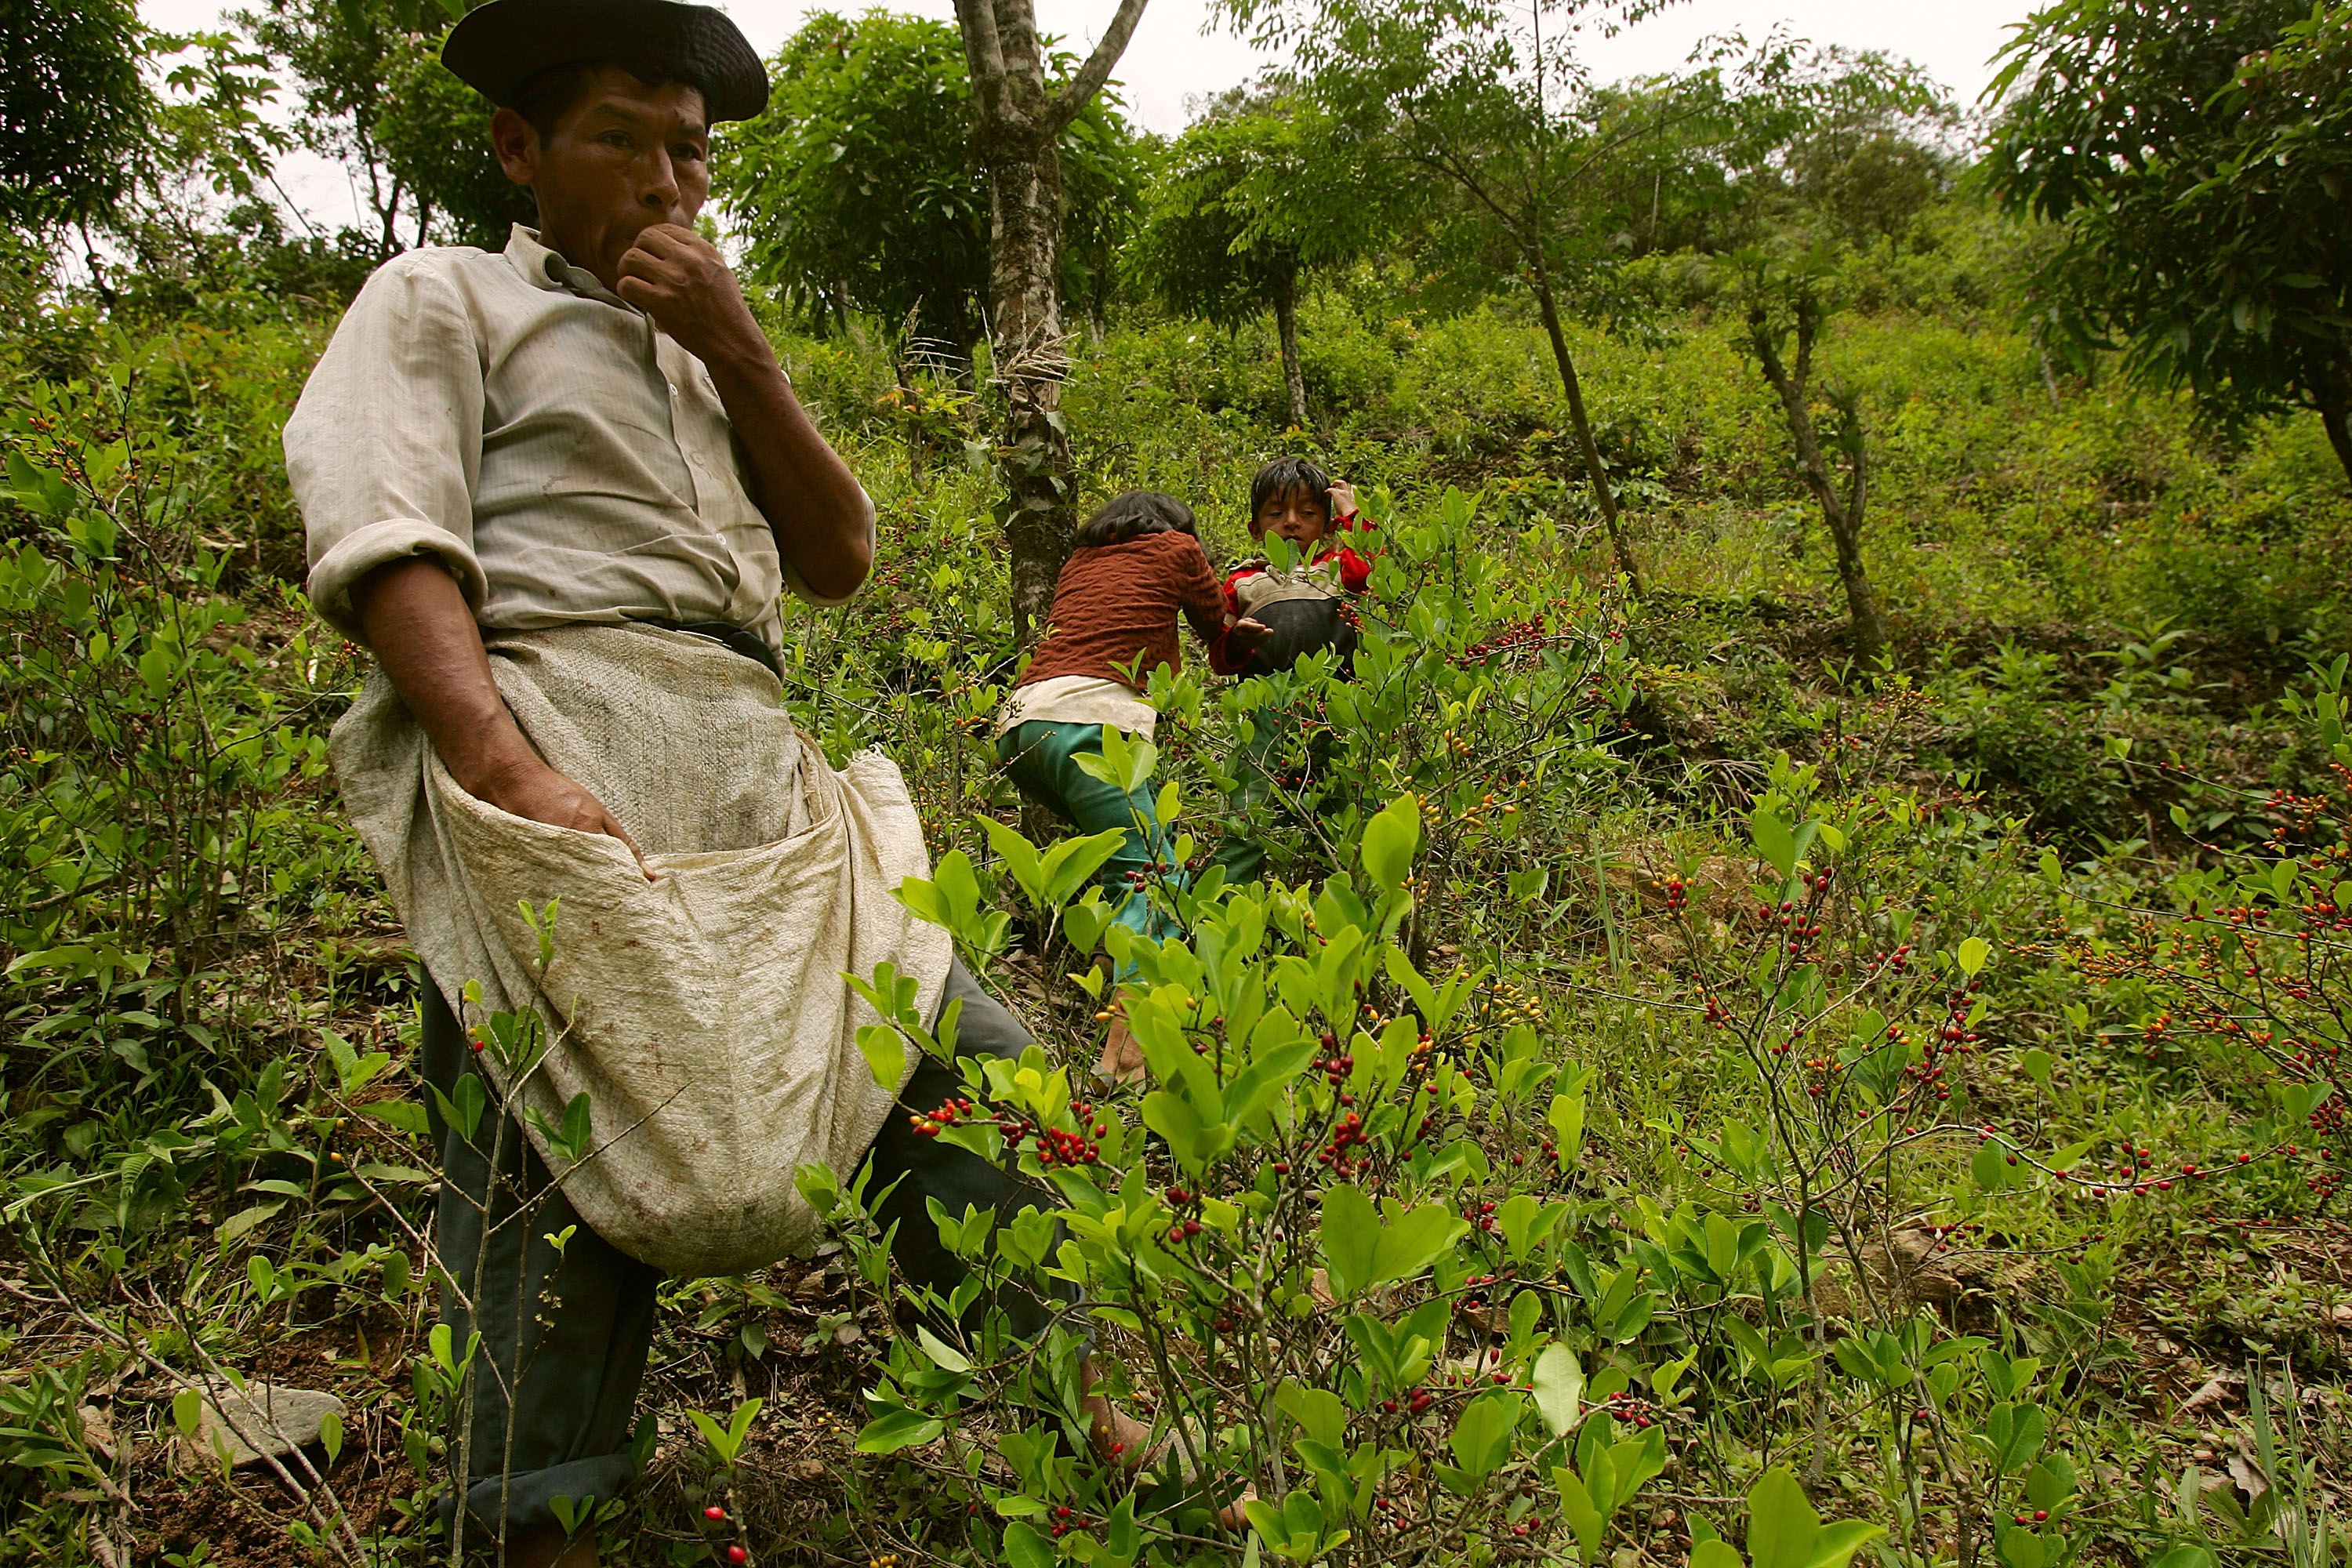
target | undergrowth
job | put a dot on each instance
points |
(1677, 1084)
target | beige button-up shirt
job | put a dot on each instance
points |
(539, 435)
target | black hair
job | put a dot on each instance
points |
(1134, 515)
(547, 96)
(1283, 476)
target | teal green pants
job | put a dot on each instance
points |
(1041, 756)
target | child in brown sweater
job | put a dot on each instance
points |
(1138, 566)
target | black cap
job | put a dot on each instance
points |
(502, 45)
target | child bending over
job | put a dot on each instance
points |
(1137, 565)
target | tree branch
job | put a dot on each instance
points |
(1857, 454)
(1091, 76)
(1593, 158)
(1811, 467)
(1434, 153)
(984, 55)
(1808, 321)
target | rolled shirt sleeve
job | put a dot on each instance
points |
(384, 449)
(569, 463)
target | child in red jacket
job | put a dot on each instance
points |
(1304, 607)
(1305, 610)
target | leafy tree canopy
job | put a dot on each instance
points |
(372, 95)
(74, 108)
(1245, 201)
(861, 188)
(435, 132)
(2199, 160)
(1555, 180)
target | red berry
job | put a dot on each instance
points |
(714, 1513)
(737, 1556)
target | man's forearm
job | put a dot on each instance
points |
(422, 632)
(425, 636)
(810, 498)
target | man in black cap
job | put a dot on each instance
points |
(584, 446)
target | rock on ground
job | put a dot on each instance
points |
(266, 1420)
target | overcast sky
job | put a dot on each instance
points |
(1171, 61)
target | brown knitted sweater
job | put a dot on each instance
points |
(1115, 608)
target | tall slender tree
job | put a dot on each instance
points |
(341, 54)
(1854, 172)
(1488, 99)
(1246, 205)
(1485, 96)
(1786, 292)
(1019, 116)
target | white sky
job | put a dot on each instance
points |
(1170, 61)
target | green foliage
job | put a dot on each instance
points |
(343, 55)
(1241, 206)
(2194, 158)
(435, 132)
(861, 187)
(1757, 1063)
(74, 110)
(148, 744)
(1784, 1531)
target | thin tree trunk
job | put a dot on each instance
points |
(910, 402)
(1025, 198)
(1844, 514)
(1286, 327)
(97, 266)
(388, 209)
(1019, 129)
(1594, 468)
(2334, 404)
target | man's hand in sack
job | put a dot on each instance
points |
(531, 789)
(417, 621)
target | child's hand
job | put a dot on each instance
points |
(1343, 499)
(1247, 637)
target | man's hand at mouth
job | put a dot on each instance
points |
(822, 520)
(678, 278)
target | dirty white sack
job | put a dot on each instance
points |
(704, 1012)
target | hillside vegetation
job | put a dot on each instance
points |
(1680, 1083)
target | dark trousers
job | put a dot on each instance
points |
(1278, 760)
(565, 1331)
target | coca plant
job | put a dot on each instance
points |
(1350, 1323)
(1352, 1254)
